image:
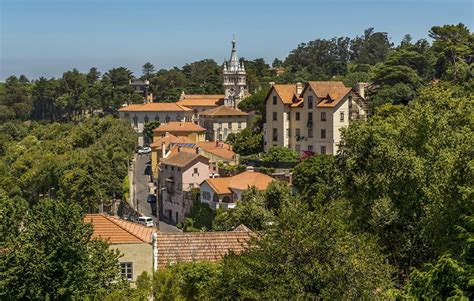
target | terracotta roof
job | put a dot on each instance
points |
(118, 231)
(201, 100)
(330, 92)
(202, 96)
(181, 159)
(223, 111)
(199, 246)
(169, 139)
(248, 179)
(155, 106)
(220, 149)
(241, 181)
(220, 185)
(287, 93)
(177, 126)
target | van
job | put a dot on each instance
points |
(146, 221)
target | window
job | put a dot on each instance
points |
(229, 125)
(287, 133)
(298, 134)
(310, 148)
(275, 116)
(323, 133)
(135, 121)
(239, 125)
(127, 270)
(206, 195)
(178, 117)
(310, 133)
(225, 133)
(310, 102)
(297, 148)
(195, 171)
(275, 134)
(323, 116)
(220, 137)
(172, 168)
(310, 116)
(323, 150)
(287, 116)
(167, 118)
(166, 167)
(297, 116)
(274, 100)
(157, 118)
(309, 123)
(146, 119)
(127, 115)
(341, 115)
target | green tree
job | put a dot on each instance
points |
(148, 69)
(148, 129)
(280, 154)
(371, 48)
(247, 142)
(255, 102)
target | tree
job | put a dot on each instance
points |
(255, 102)
(120, 76)
(148, 69)
(93, 75)
(148, 129)
(371, 48)
(280, 154)
(55, 257)
(247, 142)
(201, 214)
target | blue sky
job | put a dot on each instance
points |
(48, 37)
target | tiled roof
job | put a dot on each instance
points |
(118, 231)
(169, 139)
(286, 92)
(201, 100)
(248, 179)
(200, 246)
(155, 107)
(182, 158)
(223, 111)
(220, 149)
(220, 185)
(335, 90)
(177, 126)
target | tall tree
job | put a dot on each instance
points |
(148, 70)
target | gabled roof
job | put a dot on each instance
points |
(200, 246)
(182, 159)
(156, 107)
(118, 231)
(287, 93)
(223, 111)
(220, 185)
(331, 92)
(194, 100)
(219, 149)
(169, 139)
(247, 179)
(177, 126)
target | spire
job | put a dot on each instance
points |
(234, 59)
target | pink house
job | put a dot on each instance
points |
(180, 172)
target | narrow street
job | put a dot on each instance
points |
(142, 188)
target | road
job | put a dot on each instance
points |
(142, 187)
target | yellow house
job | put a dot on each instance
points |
(134, 241)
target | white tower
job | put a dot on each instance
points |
(235, 84)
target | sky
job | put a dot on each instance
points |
(48, 37)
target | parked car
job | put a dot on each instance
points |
(145, 150)
(151, 199)
(146, 221)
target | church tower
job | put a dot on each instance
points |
(235, 84)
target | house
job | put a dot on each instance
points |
(218, 152)
(200, 246)
(161, 146)
(140, 114)
(200, 102)
(225, 192)
(190, 130)
(134, 241)
(179, 173)
(219, 122)
(311, 117)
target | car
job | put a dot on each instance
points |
(145, 221)
(151, 199)
(144, 150)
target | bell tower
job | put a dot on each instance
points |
(235, 83)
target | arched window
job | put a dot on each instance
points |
(157, 118)
(215, 198)
(146, 119)
(135, 120)
(167, 118)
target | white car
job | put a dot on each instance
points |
(145, 221)
(145, 150)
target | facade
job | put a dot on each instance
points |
(133, 241)
(235, 81)
(310, 118)
(140, 115)
(225, 192)
(221, 121)
(179, 173)
(190, 130)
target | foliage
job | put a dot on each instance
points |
(247, 142)
(201, 214)
(148, 129)
(53, 255)
(280, 154)
(255, 102)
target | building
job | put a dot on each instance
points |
(161, 146)
(218, 152)
(201, 246)
(179, 173)
(199, 103)
(221, 121)
(140, 114)
(311, 117)
(142, 87)
(134, 241)
(190, 130)
(235, 81)
(225, 192)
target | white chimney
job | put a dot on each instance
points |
(299, 88)
(250, 168)
(360, 88)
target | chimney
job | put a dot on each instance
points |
(299, 88)
(271, 83)
(250, 168)
(163, 150)
(360, 88)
